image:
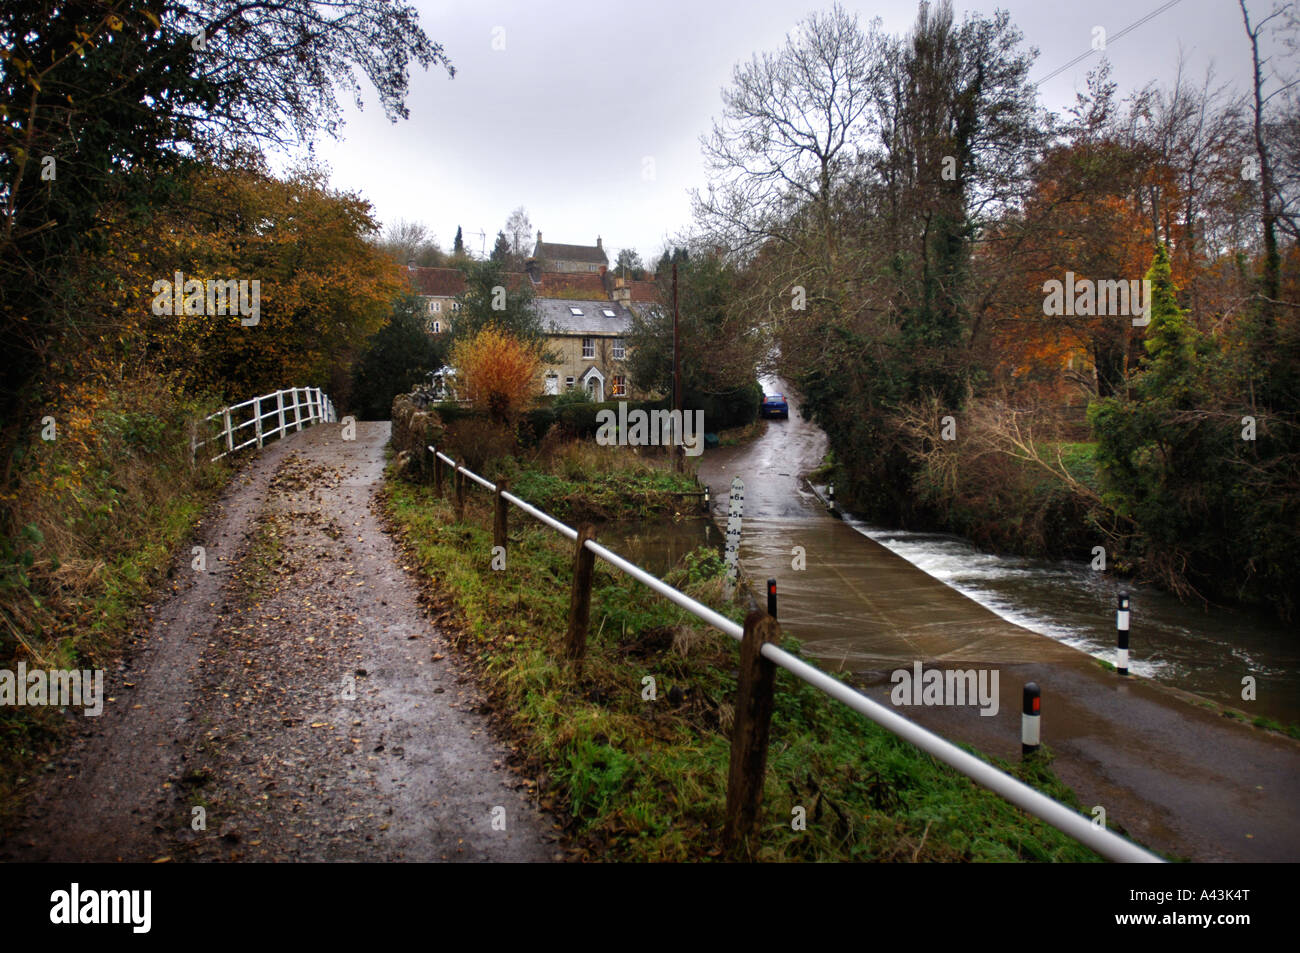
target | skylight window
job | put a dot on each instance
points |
(608, 313)
(576, 312)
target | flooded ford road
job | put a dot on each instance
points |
(1169, 767)
(1174, 643)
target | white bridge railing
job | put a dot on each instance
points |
(290, 409)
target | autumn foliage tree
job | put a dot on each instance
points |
(497, 373)
(323, 286)
(1077, 219)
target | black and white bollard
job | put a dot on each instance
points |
(830, 493)
(706, 499)
(1029, 720)
(1121, 633)
(771, 598)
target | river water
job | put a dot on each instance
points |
(1207, 653)
(1178, 644)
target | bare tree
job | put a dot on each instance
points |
(1190, 131)
(519, 232)
(405, 241)
(790, 122)
(279, 64)
(1268, 195)
(1287, 175)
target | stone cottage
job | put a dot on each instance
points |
(590, 340)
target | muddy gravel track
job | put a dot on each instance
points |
(289, 702)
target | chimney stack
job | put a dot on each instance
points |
(598, 241)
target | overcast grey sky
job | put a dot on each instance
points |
(562, 119)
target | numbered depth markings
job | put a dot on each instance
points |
(735, 509)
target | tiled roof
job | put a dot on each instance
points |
(554, 284)
(643, 290)
(558, 319)
(449, 282)
(438, 282)
(552, 251)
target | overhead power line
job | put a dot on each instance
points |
(1109, 40)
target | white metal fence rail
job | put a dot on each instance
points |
(290, 409)
(1081, 828)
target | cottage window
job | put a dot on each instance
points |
(619, 386)
(619, 350)
(588, 347)
(568, 383)
(435, 307)
(437, 327)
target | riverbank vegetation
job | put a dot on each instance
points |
(100, 512)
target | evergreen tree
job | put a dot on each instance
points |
(667, 259)
(501, 250)
(1171, 343)
(719, 351)
(396, 359)
(1202, 503)
(458, 248)
(628, 264)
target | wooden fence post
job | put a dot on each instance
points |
(749, 734)
(230, 433)
(575, 643)
(279, 411)
(257, 418)
(437, 472)
(460, 495)
(499, 523)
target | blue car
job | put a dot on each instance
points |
(774, 405)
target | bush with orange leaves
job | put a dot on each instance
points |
(497, 373)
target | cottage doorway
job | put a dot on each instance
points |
(594, 383)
